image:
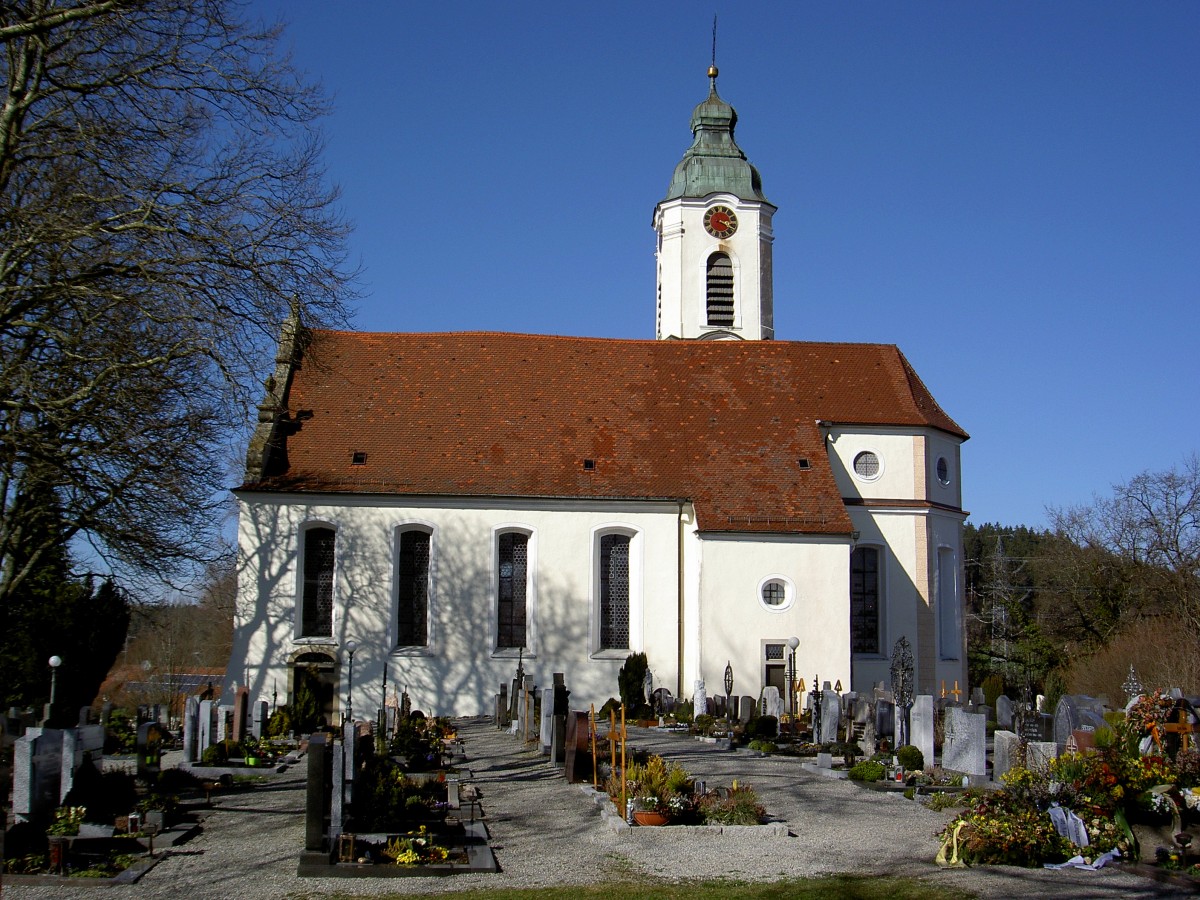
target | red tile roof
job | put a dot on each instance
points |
(721, 423)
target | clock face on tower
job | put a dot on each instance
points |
(720, 221)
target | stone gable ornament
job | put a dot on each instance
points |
(902, 685)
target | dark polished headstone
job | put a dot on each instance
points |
(317, 797)
(578, 758)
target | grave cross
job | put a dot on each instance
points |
(1184, 729)
(956, 692)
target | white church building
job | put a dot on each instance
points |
(449, 501)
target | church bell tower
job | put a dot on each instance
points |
(714, 237)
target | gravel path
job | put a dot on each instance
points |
(545, 833)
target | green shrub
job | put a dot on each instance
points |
(739, 806)
(631, 680)
(214, 755)
(866, 771)
(763, 746)
(704, 723)
(280, 724)
(684, 712)
(911, 758)
(993, 687)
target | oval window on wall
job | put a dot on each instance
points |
(867, 465)
(775, 593)
(943, 470)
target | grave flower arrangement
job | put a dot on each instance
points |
(415, 849)
(67, 820)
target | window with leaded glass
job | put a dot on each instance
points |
(720, 290)
(512, 576)
(614, 591)
(864, 600)
(412, 589)
(316, 618)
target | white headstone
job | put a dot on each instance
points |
(1039, 753)
(1004, 713)
(70, 744)
(831, 716)
(208, 735)
(921, 720)
(965, 746)
(699, 698)
(1005, 749)
(259, 715)
(772, 701)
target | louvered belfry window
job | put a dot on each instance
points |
(614, 591)
(720, 290)
(412, 591)
(317, 602)
(864, 600)
(513, 572)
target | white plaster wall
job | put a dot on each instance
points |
(895, 451)
(943, 446)
(946, 532)
(683, 251)
(458, 673)
(894, 532)
(734, 622)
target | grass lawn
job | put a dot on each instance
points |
(836, 887)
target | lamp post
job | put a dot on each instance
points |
(351, 646)
(792, 642)
(54, 662)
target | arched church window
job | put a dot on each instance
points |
(511, 590)
(412, 589)
(865, 599)
(720, 290)
(316, 617)
(614, 591)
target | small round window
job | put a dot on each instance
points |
(866, 466)
(943, 470)
(775, 594)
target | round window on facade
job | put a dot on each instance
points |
(775, 594)
(867, 466)
(943, 470)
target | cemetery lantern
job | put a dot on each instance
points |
(792, 642)
(54, 662)
(351, 646)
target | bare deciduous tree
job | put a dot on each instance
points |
(1136, 552)
(162, 207)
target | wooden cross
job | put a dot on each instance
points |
(1183, 728)
(943, 688)
(956, 692)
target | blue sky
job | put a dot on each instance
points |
(1009, 191)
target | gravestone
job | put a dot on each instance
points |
(317, 800)
(191, 728)
(699, 698)
(150, 736)
(208, 727)
(85, 716)
(259, 717)
(37, 772)
(965, 745)
(224, 722)
(1074, 711)
(977, 698)
(546, 726)
(66, 778)
(1039, 753)
(885, 719)
(561, 708)
(502, 709)
(578, 757)
(1004, 713)
(337, 796)
(772, 702)
(831, 716)
(745, 709)
(921, 722)
(1006, 752)
(349, 748)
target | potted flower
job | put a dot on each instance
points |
(650, 809)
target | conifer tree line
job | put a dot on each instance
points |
(163, 208)
(1110, 584)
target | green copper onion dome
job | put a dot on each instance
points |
(714, 163)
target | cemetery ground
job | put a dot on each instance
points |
(550, 840)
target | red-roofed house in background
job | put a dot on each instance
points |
(448, 501)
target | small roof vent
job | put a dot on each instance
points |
(589, 465)
(358, 458)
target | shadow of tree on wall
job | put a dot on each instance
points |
(458, 672)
